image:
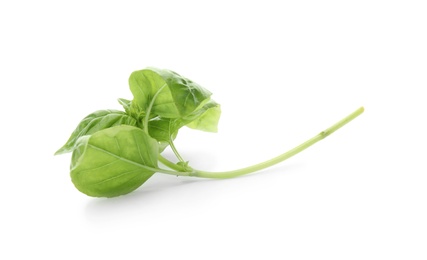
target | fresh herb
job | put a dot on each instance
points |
(115, 152)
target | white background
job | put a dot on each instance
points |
(282, 70)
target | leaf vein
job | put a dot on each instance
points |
(98, 167)
(148, 168)
(115, 177)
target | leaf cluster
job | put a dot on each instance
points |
(114, 152)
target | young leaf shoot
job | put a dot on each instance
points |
(115, 152)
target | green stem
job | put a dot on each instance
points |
(175, 151)
(271, 162)
(175, 167)
(172, 172)
(148, 112)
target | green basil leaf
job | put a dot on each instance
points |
(179, 96)
(94, 122)
(125, 104)
(79, 149)
(164, 130)
(206, 118)
(113, 161)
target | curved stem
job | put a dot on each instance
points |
(148, 112)
(169, 164)
(179, 170)
(175, 151)
(280, 158)
(171, 172)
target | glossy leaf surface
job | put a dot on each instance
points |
(114, 161)
(94, 122)
(164, 129)
(178, 97)
(206, 118)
